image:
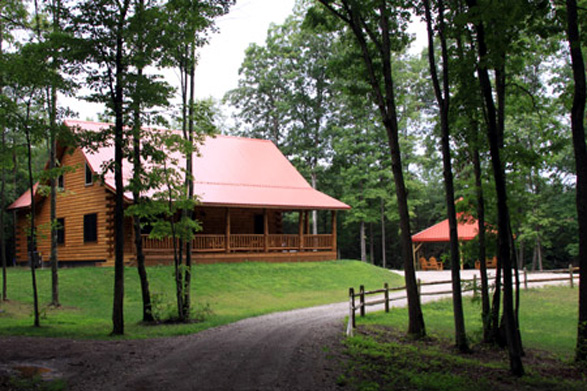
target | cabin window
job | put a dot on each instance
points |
(91, 228)
(61, 231)
(89, 175)
(61, 182)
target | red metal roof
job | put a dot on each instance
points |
(230, 171)
(24, 201)
(467, 229)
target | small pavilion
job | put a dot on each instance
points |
(467, 229)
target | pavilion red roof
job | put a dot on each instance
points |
(229, 171)
(467, 229)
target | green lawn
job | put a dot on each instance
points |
(380, 357)
(230, 291)
(548, 319)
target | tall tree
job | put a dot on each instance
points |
(56, 9)
(372, 23)
(580, 149)
(101, 30)
(26, 77)
(443, 98)
(191, 22)
(495, 131)
(13, 16)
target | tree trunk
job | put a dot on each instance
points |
(314, 212)
(33, 232)
(539, 248)
(2, 194)
(443, 99)
(384, 98)
(363, 241)
(495, 136)
(190, 189)
(14, 180)
(521, 256)
(53, 212)
(179, 274)
(371, 245)
(485, 302)
(137, 173)
(580, 149)
(56, 10)
(383, 249)
(2, 202)
(118, 300)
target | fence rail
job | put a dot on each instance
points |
(466, 286)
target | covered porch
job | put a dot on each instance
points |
(245, 234)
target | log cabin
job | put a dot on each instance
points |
(244, 188)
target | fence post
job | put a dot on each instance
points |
(571, 274)
(386, 287)
(419, 286)
(351, 322)
(362, 299)
(474, 286)
(525, 278)
(352, 296)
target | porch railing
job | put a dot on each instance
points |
(247, 242)
(318, 242)
(284, 242)
(209, 243)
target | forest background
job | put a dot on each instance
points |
(300, 90)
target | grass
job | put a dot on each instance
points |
(548, 319)
(225, 292)
(380, 357)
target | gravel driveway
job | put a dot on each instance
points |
(294, 350)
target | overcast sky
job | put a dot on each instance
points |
(217, 71)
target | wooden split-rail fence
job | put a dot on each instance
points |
(470, 285)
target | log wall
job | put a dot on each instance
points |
(76, 200)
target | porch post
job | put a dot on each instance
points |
(307, 223)
(266, 229)
(334, 231)
(227, 244)
(301, 230)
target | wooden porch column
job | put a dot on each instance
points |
(334, 231)
(227, 244)
(266, 229)
(301, 230)
(307, 221)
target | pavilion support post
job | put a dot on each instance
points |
(334, 231)
(266, 230)
(227, 230)
(415, 248)
(301, 230)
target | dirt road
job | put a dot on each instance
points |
(282, 351)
